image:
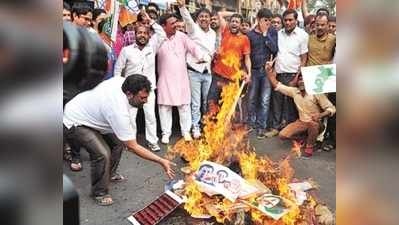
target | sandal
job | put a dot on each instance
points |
(75, 166)
(118, 178)
(328, 147)
(308, 152)
(104, 200)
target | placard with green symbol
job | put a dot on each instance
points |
(320, 79)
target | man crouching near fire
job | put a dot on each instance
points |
(311, 110)
(99, 121)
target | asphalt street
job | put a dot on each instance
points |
(146, 181)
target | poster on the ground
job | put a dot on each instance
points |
(319, 79)
(273, 206)
(213, 178)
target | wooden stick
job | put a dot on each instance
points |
(236, 98)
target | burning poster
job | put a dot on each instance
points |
(213, 178)
(271, 205)
(319, 79)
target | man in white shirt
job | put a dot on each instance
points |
(139, 58)
(99, 121)
(291, 56)
(199, 73)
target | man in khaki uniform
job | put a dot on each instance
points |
(311, 109)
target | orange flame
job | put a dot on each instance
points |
(223, 143)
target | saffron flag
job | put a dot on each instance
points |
(320, 79)
(294, 4)
(128, 12)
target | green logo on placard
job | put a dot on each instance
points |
(325, 73)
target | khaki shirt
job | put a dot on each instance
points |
(308, 104)
(321, 51)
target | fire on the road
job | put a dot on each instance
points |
(226, 144)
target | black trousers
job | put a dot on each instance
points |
(105, 153)
(331, 124)
(283, 110)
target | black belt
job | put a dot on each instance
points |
(191, 69)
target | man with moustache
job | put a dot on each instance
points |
(139, 58)
(321, 51)
(321, 44)
(291, 56)
(99, 121)
(199, 73)
(215, 25)
(311, 109)
(234, 48)
(173, 83)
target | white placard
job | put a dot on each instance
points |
(320, 79)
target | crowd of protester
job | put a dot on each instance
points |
(180, 60)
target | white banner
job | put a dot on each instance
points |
(320, 79)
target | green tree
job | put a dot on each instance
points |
(313, 5)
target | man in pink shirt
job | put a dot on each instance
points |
(173, 84)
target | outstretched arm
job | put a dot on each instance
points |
(159, 33)
(139, 150)
(186, 16)
(305, 12)
(222, 15)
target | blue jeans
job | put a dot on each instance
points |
(200, 84)
(259, 99)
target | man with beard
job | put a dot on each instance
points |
(234, 48)
(173, 83)
(99, 121)
(321, 44)
(139, 58)
(199, 73)
(215, 25)
(321, 51)
(311, 109)
(291, 56)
